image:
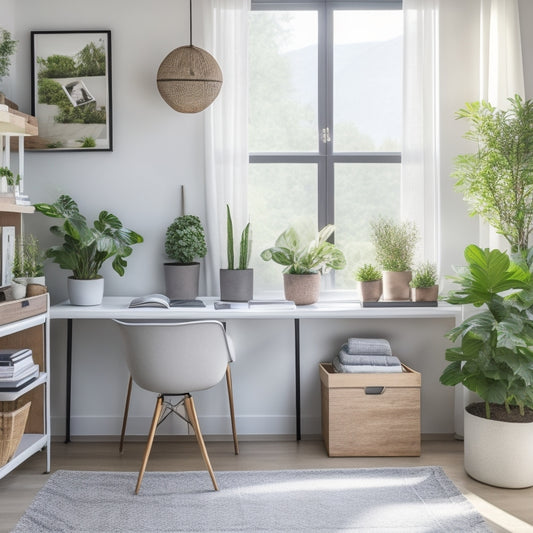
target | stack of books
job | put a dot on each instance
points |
(17, 369)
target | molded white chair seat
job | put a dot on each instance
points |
(176, 359)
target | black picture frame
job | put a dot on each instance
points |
(71, 93)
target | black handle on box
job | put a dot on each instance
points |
(24, 303)
(374, 390)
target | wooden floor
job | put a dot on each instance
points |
(505, 509)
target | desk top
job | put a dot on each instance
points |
(117, 307)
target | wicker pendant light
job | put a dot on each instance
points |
(189, 78)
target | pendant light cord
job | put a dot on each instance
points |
(190, 22)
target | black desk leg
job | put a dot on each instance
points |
(69, 379)
(297, 377)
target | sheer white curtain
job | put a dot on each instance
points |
(501, 71)
(420, 151)
(226, 151)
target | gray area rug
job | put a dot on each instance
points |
(419, 499)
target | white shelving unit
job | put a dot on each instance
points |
(25, 324)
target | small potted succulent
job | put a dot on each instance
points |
(237, 282)
(305, 259)
(28, 266)
(184, 243)
(370, 282)
(424, 287)
(395, 244)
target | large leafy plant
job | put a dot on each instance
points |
(185, 239)
(85, 249)
(497, 179)
(495, 355)
(301, 256)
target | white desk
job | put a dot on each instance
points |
(117, 307)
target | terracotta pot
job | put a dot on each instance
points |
(499, 453)
(236, 285)
(302, 289)
(425, 294)
(370, 291)
(396, 285)
(181, 281)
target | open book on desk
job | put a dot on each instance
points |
(161, 300)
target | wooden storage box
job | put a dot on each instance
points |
(370, 414)
(24, 308)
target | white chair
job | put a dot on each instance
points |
(176, 359)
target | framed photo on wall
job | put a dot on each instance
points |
(71, 90)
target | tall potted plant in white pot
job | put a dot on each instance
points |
(85, 249)
(494, 358)
(395, 243)
(184, 242)
(304, 261)
(237, 282)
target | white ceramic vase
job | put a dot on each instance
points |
(85, 291)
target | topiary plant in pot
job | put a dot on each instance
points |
(185, 242)
(494, 359)
(394, 244)
(237, 283)
(85, 249)
(304, 261)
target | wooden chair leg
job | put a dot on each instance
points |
(153, 427)
(191, 413)
(125, 418)
(232, 410)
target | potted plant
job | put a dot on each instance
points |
(497, 179)
(424, 287)
(10, 183)
(85, 249)
(370, 282)
(395, 243)
(494, 358)
(28, 265)
(304, 259)
(237, 283)
(185, 242)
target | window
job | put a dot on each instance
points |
(325, 122)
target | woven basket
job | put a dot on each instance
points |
(12, 426)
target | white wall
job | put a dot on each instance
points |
(155, 151)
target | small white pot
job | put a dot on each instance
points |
(18, 290)
(85, 291)
(499, 453)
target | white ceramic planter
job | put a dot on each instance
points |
(85, 291)
(498, 453)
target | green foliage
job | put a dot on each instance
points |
(11, 179)
(85, 114)
(497, 180)
(85, 249)
(367, 272)
(244, 247)
(91, 60)
(50, 92)
(185, 239)
(424, 276)
(7, 49)
(56, 66)
(301, 256)
(28, 259)
(87, 142)
(495, 355)
(394, 243)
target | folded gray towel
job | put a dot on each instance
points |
(358, 369)
(379, 360)
(359, 346)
